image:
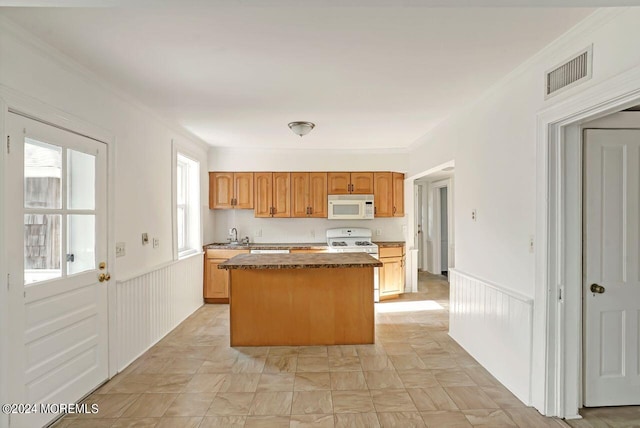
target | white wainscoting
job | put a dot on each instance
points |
(494, 325)
(152, 304)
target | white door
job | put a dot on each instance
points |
(56, 244)
(611, 261)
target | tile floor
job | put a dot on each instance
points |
(414, 376)
(601, 417)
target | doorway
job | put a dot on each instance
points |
(56, 217)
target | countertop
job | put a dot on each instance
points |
(300, 261)
(290, 246)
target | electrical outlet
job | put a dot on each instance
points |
(156, 242)
(145, 238)
(474, 215)
(531, 244)
(257, 233)
(378, 232)
(120, 249)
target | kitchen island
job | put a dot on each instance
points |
(301, 299)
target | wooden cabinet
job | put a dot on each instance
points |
(230, 190)
(272, 194)
(216, 281)
(309, 194)
(342, 183)
(391, 274)
(398, 194)
(388, 193)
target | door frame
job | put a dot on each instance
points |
(556, 375)
(35, 109)
(437, 221)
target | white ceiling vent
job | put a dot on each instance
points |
(570, 73)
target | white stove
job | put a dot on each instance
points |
(354, 240)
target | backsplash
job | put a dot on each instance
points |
(298, 230)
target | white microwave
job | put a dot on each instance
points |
(350, 207)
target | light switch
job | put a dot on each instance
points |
(156, 242)
(120, 249)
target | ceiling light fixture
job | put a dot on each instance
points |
(301, 128)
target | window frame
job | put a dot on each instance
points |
(193, 218)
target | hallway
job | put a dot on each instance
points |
(414, 376)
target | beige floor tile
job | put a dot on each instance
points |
(281, 363)
(370, 350)
(440, 361)
(149, 405)
(528, 417)
(502, 396)
(313, 351)
(231, 403)
(348, 381)
(481, 376)
(418, 378)
(376, 363)
(488, 418)
(271, 403)
(470, 397)
(135, 383)
(407, 362)
(152, 364)
(167, 383)
(342, 351)
(392, 400)
(383, 379)
(267, 422)
(180, 422)
(312, 364)
(252, 351)
(109, 405)
(205, 382)
(453, 377)
(445, 419)
(344, 364)
(311, 402)
(399, 349)
(400, 419)
(433, 398)
(136, 422)
(240, 382)
(86, 423)
(223, 365)
(312, 381)
(312, 421)
(352, 402)
(182, 365)
(276, 382)
(249, 365)
(223, 421)
(356, 420)
(281, 351)
(190, 404)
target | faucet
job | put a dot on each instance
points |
(235, 235)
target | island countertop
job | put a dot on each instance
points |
(300, 261)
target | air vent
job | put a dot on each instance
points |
(569, 74)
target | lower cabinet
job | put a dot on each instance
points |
(391, 274)
(308, 251)
(216, 281)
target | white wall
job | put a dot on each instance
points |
(493, 142)
(301, 229)
(143, 142)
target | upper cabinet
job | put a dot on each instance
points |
(272, 194)
(230, 190)
(309, 194)
(343, 183)
(388, 194)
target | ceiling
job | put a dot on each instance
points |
(234, 74)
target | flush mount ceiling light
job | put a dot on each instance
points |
(301, 128)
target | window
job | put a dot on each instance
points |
(187, 206)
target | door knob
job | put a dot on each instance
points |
(104, 277)
(595, 288)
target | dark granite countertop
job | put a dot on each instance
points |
(389, 243)
(300, 261)
(269, 246)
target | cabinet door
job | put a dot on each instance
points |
(398, 194)
(282, 194)
(220, 190)
(299, 194)
(318, 194)
(243, 184)
(362, 183)
(383, 194)
(391, 276)
(338, 183)
(216, 280)
(263, 194)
